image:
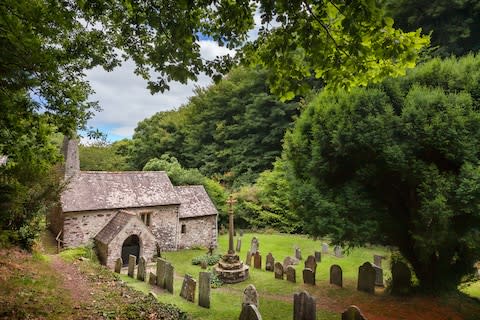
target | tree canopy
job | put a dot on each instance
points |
(396, 164)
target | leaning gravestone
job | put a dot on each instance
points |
(188, 288)
(288, 261)
(132, 261)
(291, 274)
(169, 274)
(152, 279)
(141, 269)
(336, 275)
(311, 263)
(239, 245)
(270, 261)
(353, 313)
(250, 312)
(324, 248)
(248, 260)
(366, 278)
(204, 284)
(298, 253)
(161, 263)
(308, 276)
(318, 256)
(378, 276)
(257, 260)
(254, 245)
(304, 306)
(278, 269)
(377, 260)
(118, 265)
(337, 250)
(250, 296)
(401, 278)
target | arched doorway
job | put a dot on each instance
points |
(131, 246)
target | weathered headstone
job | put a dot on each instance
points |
(257, 260)
(311, 263)
(132, 261)
(298, 253)
(377, 260)
(366, 278)
(308, 276)
(118, 265)
(250, 296)
(203, 264)
(338, 252)
(270, 261)
(161, 263)
(278, 270)
(169, 275)
(336, 275)
(152, 279)
(188, 288)
(378, 276)
(401, 278)
(241, 232)
(248, 260)
(250, 312)
(304, 306)
(353, 313)
(291, 274)
(318, 256)
(239, 245)
(288, 261)
(254, 245)
(204, 284)
(324, 248)
(141, 269)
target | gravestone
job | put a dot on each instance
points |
(118, 265)
(132, 261)
(324, 248)
(161, 263)
(188, 288)
(288, 261)
(304, 306)
(337, 250)
(278, 270)
(336, 275)
(204, 284)
(141, 269)
(152, 279)
(308, 276)
(169, 275)
(377, 260)
(250, 296)
(239, 245)
(378, 276)
(401, 278)
(241, 232)
(270, 261)
(318, 256)
(298, 253)
(203, 264)
(291, 274)
(254, 245)
(257, 260)
(311, 263)
(353, 313)
(248, 260)
(250, 312)
(366, 278)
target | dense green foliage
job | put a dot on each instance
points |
(454, 25)
(397, 164)
(232, 129)
(104, 156)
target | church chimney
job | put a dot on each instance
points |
(71, 156)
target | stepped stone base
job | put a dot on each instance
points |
(231, 270)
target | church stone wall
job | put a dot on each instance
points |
(198, 231)
(164, 225)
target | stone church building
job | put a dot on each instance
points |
(130, 212)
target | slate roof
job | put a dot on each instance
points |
(96, 190)
(195, 202)
(114, 226)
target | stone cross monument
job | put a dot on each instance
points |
(230, 202)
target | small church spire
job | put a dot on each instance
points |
(71, 156)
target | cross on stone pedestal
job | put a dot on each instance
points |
(230, 202)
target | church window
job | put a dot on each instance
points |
(146, 218)
(184, 228)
